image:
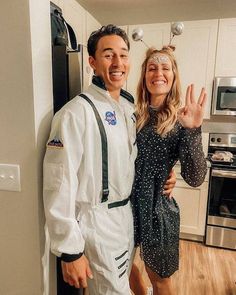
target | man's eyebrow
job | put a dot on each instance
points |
(111, 49)
(107, 49)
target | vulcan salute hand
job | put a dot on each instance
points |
(191, 116)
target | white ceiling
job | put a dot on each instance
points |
(127, 12)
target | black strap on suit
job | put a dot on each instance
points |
(105, 190)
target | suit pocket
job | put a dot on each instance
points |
(53, 176)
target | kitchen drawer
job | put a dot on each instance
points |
(221, 237)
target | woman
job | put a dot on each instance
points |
(165, 135)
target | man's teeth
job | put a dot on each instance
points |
(117, 74)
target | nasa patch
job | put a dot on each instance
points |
(110, 117)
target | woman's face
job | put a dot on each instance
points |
(159, 75)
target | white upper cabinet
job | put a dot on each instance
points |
(155, 35)
(195, 53)
(226, 48)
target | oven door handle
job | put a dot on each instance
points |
(223, 173)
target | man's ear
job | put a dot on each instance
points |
(92, 62)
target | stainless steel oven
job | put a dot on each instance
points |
(224, 96)
(221, 216)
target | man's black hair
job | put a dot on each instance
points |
(105, 31)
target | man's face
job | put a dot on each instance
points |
(111, 62)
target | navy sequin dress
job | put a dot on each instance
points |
(156, 217)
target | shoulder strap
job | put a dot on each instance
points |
(105, 190)
(127, 95)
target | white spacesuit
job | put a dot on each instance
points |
(78, 216)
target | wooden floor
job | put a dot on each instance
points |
(203, 270)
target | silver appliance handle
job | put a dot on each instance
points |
(223, 173)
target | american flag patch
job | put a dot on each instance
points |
(56, 143)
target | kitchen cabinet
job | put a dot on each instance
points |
(193, 206)
(155, 35)
(195, 53)
(226, 48)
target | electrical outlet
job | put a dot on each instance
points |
(10, 177)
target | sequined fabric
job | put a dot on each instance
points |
(156, 217)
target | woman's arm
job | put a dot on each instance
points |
(191, 156)
(193, 163)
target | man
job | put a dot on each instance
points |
(89, 171)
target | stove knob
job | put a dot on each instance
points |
(218, 139)
(213, 139)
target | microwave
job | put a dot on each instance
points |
(224, 96)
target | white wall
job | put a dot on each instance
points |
(25, 112)
(43, 110)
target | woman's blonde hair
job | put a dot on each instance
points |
(167, 115)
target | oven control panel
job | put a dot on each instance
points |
(222, 139)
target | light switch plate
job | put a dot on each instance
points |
(10, 177)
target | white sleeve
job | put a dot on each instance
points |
(60, 179)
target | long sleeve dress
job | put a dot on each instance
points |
(156, 216)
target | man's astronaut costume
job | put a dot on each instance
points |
(81, 216)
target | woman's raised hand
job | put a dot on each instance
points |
(191, 115)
